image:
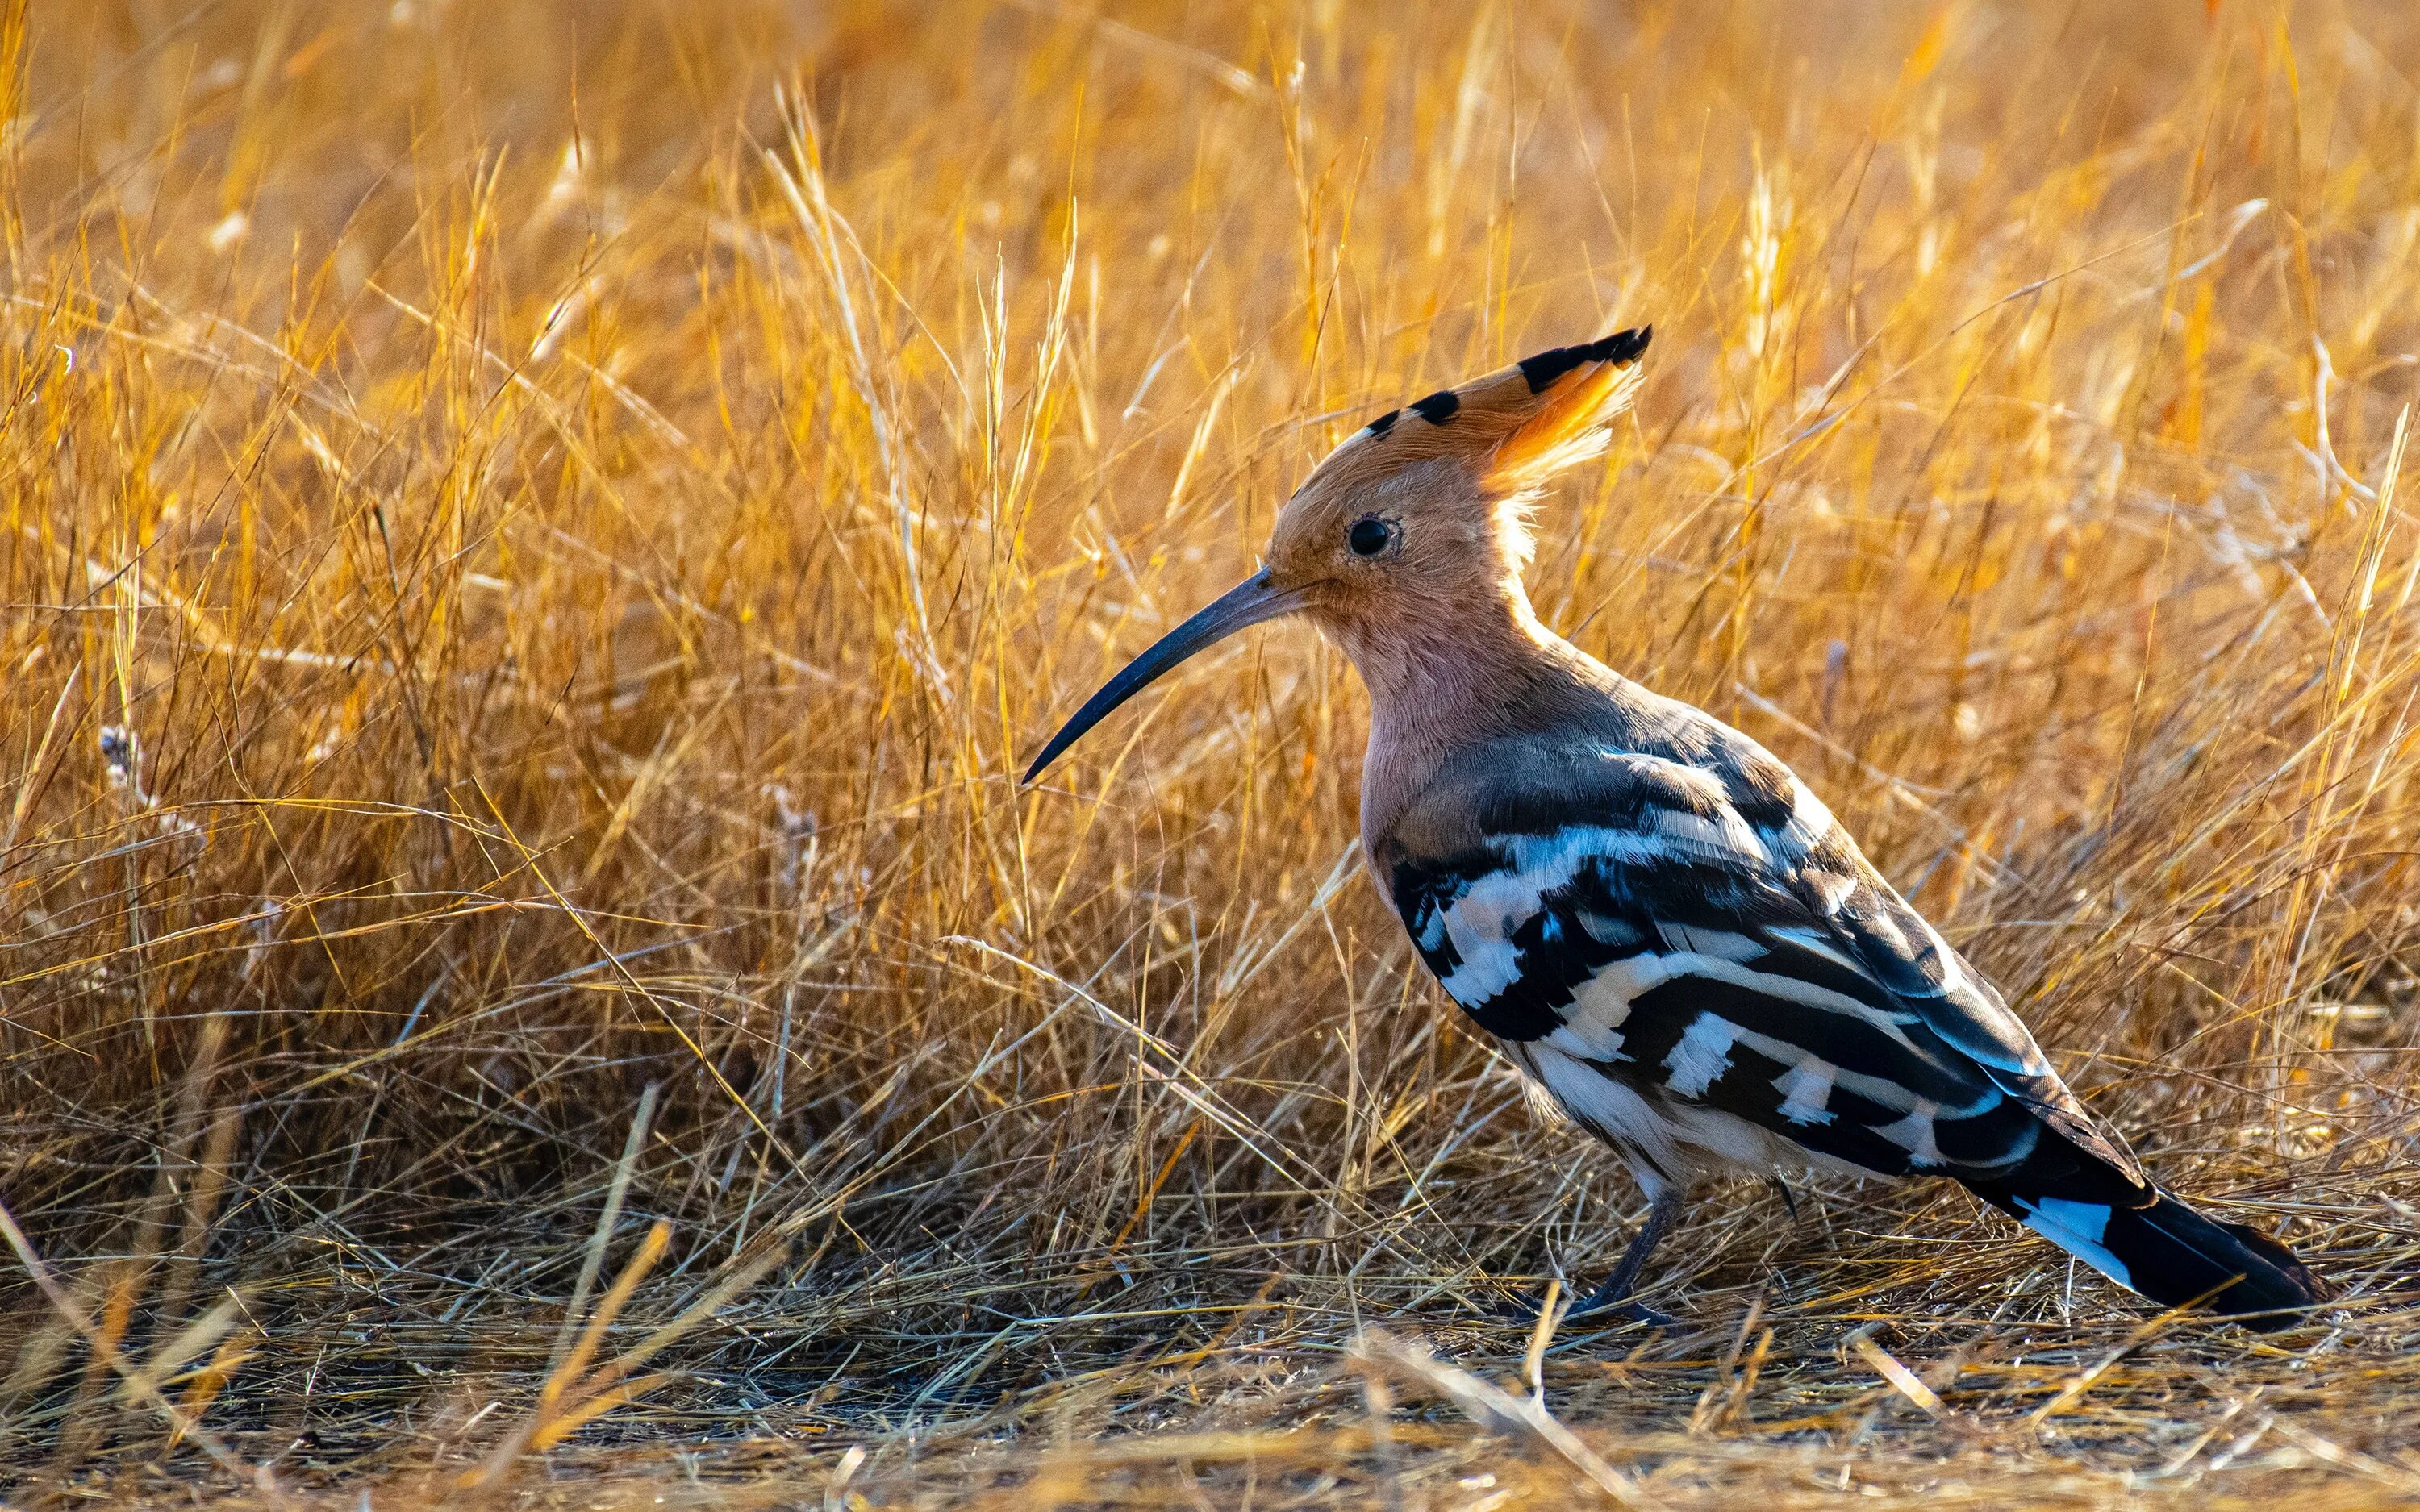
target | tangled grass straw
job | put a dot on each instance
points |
(538, 535)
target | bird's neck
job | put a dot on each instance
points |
(1448, 678)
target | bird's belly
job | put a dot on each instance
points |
(1666, 1137)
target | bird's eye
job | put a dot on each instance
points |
(1370, 536)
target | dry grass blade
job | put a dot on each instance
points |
(569, 1393)
(137, 1381)
(1540, 1335)
(210, 1332)
(2083, 1380)
(1498, 1411)
(1902, 1379)
(215, 1376)
(573, 1394)
(593, 1263)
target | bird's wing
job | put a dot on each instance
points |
(1697, 928)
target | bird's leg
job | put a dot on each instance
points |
(1789, 1199)
(1613, 1297)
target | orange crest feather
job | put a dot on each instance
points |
(1567, 418)
(1513, 428)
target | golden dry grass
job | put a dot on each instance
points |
(537, 535)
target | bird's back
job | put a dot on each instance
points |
(1663, 925)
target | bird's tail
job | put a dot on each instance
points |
(2148, 1242)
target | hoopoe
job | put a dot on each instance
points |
(1655, 919)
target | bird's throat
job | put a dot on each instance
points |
(1441, 682)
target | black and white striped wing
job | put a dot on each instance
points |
(1680, 948)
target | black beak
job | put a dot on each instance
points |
(1249, 602)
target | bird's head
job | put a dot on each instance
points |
(1418, 517)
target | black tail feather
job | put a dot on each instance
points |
(2153, 1244)
(2176, 1256)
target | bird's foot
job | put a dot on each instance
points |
(1596, 1308)
(1627, 1312)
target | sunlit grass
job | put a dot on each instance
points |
(537, 537)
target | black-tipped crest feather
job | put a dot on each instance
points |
(1542, 368)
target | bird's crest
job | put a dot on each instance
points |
(1516, 427)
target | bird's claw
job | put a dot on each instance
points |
(1524, 1310)
(1628, 1312)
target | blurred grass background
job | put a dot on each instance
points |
(538, 535)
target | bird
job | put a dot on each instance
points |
(1650, 915)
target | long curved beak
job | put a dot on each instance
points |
(1249, 602)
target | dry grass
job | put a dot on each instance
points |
(537, 534)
